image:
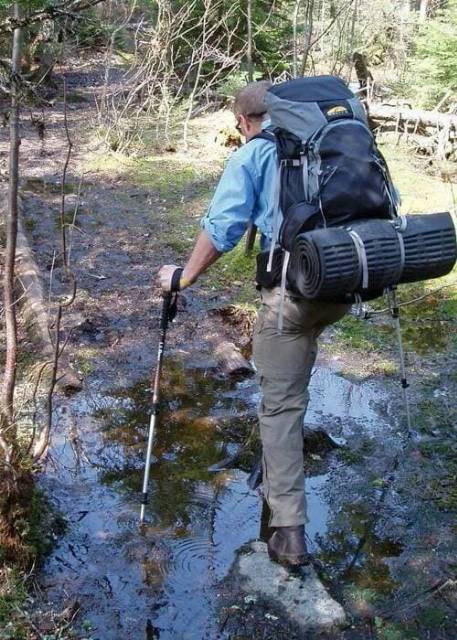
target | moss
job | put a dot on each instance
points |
(167, 175)
(361, 595)
(30, 224)
(13, 594)
(29, 527)
(236, 271)
(45, 186)
(84, 361)
(27, 533)
(385, 367)
(433, 616)
(435, 414)
(362, 335)
(391, 631)
(350, 456)
(42, 526)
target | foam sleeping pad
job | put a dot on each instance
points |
(383, 251)
(430, 246)
(328, 264)
(324, 264)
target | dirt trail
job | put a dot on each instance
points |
(386, 544)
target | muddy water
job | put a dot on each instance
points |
(162, 581)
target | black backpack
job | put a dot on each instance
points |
(330, 171)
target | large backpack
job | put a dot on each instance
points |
(330, 171)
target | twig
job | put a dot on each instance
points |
(369, 313)
(42, 447)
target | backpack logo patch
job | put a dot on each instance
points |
(337, 112)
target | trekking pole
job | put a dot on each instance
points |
(395, 311)
(168, 314)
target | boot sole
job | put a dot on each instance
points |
(289, 561)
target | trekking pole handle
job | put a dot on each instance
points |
(175, 285)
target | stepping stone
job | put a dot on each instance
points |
(303, 596)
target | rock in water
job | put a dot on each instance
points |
(303, 596)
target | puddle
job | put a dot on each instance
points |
(163, 581)
(317, 508)
(335, 400)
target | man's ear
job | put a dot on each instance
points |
(243, 121)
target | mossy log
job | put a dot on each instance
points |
(35, 310)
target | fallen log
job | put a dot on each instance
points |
(34, 308)
(230, 359)
(226, 353)
(412, 118)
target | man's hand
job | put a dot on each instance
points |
(166, 278)
(203, 255)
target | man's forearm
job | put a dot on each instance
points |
(204, 254)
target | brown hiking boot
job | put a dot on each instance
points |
(287, 546)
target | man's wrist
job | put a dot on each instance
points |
(184, 282)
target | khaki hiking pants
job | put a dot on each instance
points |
(284, 362)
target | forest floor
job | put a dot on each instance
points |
(381, 507)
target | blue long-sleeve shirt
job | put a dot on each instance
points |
(245, 193)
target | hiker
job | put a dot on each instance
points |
(284, 360)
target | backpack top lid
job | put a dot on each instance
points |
(304, 105)
(312, 89)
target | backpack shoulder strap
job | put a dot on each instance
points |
(264, 135)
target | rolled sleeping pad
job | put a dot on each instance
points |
(379, 241)
(430, 246)
(324, 264)
(359, 261)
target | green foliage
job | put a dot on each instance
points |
(390, 631)
(13, 594)
(92, 29)
(232, 84)
(434, 64)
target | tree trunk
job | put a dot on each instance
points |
(353, 23)
(307, 34)
(249, 49)
(295, 37)
(423, 10)
(9, 430)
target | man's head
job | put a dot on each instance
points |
(249, 108)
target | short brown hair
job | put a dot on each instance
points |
(249, 101)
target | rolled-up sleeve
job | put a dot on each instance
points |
(232, 205)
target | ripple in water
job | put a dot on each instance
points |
(189, 551)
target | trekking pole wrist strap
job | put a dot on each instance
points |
(175, 284)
